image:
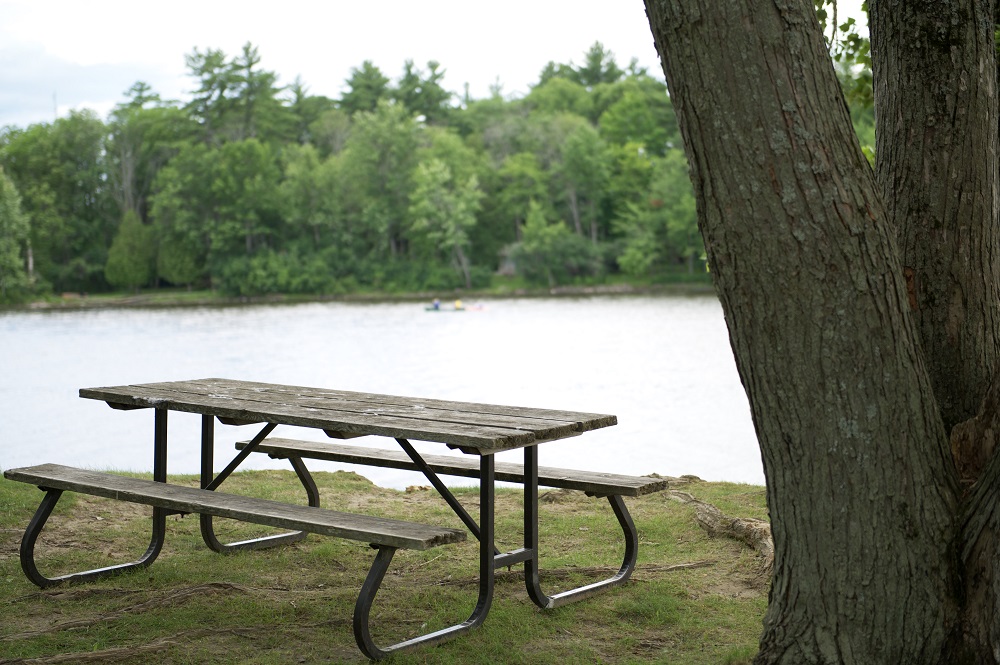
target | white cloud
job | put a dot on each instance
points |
(95, 50)
(91, 52)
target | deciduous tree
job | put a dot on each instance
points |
(862, 310)
(143, 134)
(584, 172)
(663, 228)
(14, 283)
(60, 173)
(444, 209)
(378, 168)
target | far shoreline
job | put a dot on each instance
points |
(164, 298)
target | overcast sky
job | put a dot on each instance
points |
(57, 55)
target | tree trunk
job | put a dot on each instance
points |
(574, 208)
(862, 489)
(936, 112)
(593, 221)
(463, 266)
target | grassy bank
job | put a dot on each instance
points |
(692, 600)
(207, 298)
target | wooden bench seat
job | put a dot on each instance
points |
(598, 484)
(365, 528)
(386, 535)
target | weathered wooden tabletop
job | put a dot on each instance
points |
(471, 427)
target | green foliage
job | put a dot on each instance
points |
(268, 272)
(662, 230)
(307, 110)
(236, 100)
(366, 88)
(550, 254)
(14, 282)
(60, 172)
(132, 257)
(520, 181)
(560, 95)
(585, 173)
(244, 193)
(424, 96)
(851, 52)
(639, 111)
(178, 262)
(329, 131)
(599, 67)
(182, 206)
(255, 189)
(139, 143)
(312, 199)
(378, 163)
(443, 210)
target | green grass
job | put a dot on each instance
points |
(294, 603)
(502, 287)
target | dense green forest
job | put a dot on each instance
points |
(253, 188)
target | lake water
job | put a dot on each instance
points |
(661, 364)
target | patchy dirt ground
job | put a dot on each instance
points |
(693, 599)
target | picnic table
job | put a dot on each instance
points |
(477, 430)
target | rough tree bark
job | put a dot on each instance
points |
(840, 344)
(936, 115)
(937, 167)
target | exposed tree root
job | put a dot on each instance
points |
(750, 531)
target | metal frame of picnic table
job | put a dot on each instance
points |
(489, 557)
(51, 498)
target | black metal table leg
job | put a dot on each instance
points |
(531, 572)
(441, 488)
(159, 524)
(362, 610)
(211, 481)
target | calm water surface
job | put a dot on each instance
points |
(661, 364)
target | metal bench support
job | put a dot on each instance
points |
(531, 573)
(362, 610)
(27, 551)
(211, 481)
(529, 553)
(159, 523)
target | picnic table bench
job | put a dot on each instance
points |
(593, 483)
(479, 430)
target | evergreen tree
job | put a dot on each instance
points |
(367, 86)
(132, 257)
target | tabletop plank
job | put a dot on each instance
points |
(474, 427)
(582, 419)
(545, 423)
(234, 388)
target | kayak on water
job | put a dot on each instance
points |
(457, 307)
